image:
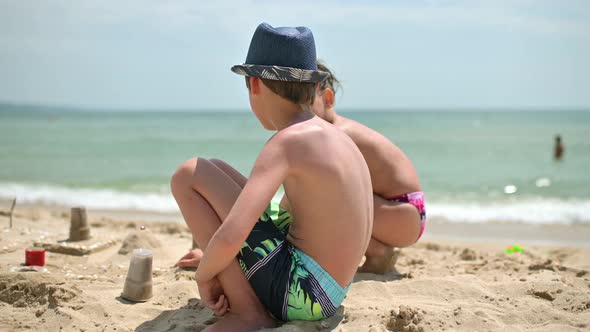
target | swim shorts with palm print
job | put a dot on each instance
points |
(288, 282)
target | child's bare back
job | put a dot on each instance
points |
(392, 173)
(329, 191)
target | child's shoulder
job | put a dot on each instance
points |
(302, 131)
(361, 134)
(302, 137)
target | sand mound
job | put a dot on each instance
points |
(172, 229)
(407, 319)
(32, 289)
(468, 255)
(139, 239)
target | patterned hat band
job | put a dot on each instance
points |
(278, 73)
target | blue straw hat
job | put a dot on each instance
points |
(282, 54)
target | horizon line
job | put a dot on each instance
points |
(39, 107)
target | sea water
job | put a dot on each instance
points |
(474, 166)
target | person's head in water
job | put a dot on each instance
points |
(323, 105)
(558, 148)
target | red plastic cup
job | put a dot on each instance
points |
(35, 256)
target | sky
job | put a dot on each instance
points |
(417, 54)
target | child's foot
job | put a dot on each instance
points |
(191, 259)
(232, 322)
(382, 263)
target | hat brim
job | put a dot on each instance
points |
(278, 73)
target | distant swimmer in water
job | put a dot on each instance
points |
(558, 149)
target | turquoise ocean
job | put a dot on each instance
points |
(474, 166)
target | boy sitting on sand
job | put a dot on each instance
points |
(400, 215)
(294, 264)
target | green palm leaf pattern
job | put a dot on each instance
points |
(283, 221)
(305, 297)
(302, 305)
(243, 266)
(267, 246)
(265, 217)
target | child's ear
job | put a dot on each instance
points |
(254, 85)
(328, 96)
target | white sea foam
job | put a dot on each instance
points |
(91, 198)
(537, 211)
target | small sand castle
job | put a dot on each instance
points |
(138, 283)
(79, 242)
(79, 230)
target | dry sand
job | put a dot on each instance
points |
(442, 283)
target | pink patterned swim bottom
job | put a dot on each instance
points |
(416, 199)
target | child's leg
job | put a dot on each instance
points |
(230, 171)
(193, 257)
(395, 225)
(205, 196)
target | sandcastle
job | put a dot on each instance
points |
(80, 242)
(79, 229)
(138, 283)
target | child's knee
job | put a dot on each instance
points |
(181, 179)
(218, 162)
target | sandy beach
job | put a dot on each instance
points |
(457, 278)
(473, 116)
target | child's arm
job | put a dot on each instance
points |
(269, 171)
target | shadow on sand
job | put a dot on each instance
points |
(195, 317)
(389, 276)
(191, 317)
